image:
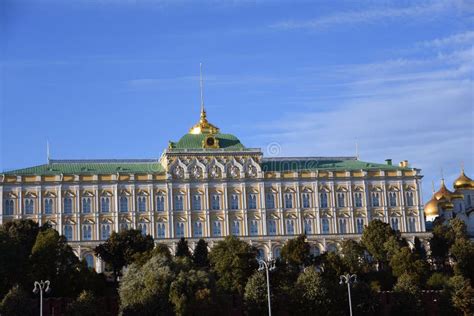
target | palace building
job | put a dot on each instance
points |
(209, 185)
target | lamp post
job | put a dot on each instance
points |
(348, 279)
(40, 287)
(267, 266)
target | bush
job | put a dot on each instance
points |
(16, 303)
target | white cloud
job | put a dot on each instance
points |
(456, 39)
(378, 14)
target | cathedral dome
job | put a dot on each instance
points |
(431, 208)
(443, 192)
(463, 182)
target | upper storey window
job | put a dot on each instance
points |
(9, 206)
(252, 201)
(142, 203)
(341, 200)
(270, 201)
(29, 206)
(288, 200)
(48, 206)
(392, 199)
(196, 203)
(105, 205)
(323, 196)
(358, 199)
(234, 202)
(306, 200)
(375, 199)
(215, 202)
(410, 201)
(272, 229)
(160, 203)
(123, 206)
(67, 205)
(308, 226)
(178, 203)
(86, 205)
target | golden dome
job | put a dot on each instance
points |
(203, 126)
(443, 192)
(431, 208)
(463, 181)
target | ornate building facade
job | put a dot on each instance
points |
(453, 204)
(209, 185)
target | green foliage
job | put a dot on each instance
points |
(122, 249)
(16, 303)
(405, 261)
(145, 290)
(296, 252)
(353, 257)
(437, 281)
(407, 296)
(200, 255)
(463, 296)
(182, 249)
(255, 296)
(312, 294)
(84, 305)
(462, 252)
(374, 237)
(234, 261)
(190, 293)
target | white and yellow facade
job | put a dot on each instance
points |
(208, 185)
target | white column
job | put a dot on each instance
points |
(280, 209)
(419, 203)
(207, 232)
(403, 224)
(263, 208)
(350, 201)
(40, 206)
(245, 211)
(170, 206)
(60, 210)
(151, 211)
(317, 206)
(333, 206)
(115, 207)
(299, 227)
(187, 211)
(226, 228)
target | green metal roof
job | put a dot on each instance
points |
(194, 141)
(313, 164)
(91, 167)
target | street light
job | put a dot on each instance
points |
(348, 279)
(39, 288)
(267, 266)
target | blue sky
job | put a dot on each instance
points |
(120, 78)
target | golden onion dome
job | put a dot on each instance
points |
(443, 192)
(203, 126)
(431, 208)
(463, 181)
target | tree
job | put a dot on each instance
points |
(374, 237)
(407, 296)
(296, 252)
(405, 261)
(182, 249)
(234, 261)
(145, 290)
(200, 255)
(463, 295)
(16, 303)
(84, 305)
(122, 249)
(462, 252)
(255, 296)
(53, 259)
(353, 257)
(190, 293)
(312, 294)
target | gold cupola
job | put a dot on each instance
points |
(443, 192)
(203, 126)
(431, 209)
(463, 181)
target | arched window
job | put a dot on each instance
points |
(87, 232)
(323, 196)
(180, 229)
(270, 201)
(271, 227)
(277, 252)
(86, 205)
(325, 225)
(216, 229)
(254, 228)
(375, 199)
(411, 224)
(234, 202)
(68, 232)
(216, 202)
(308, 226)
(358, 199)
(198, 229)
(123, 204)
(29, 206)
(178, 202)
(288, 200)
(261, 254)
(89, 260)
(105, 204)
(161, 230)
(105, 231)
(142, 203)
(196, 202)
(236, 228)
(360, 225)
(48, 206)
(67, 205)
(392, 199)
(123, 227)
(290, 226)
(143, 228)
(252, 201)
(409, 196)
(306, 200)
(341, 199)
(342, 226)
(9, 207)
(160, 203)
(394, 223)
